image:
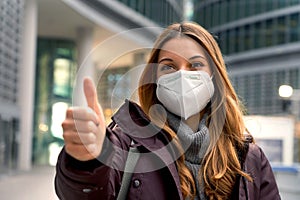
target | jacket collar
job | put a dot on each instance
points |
(134, 122)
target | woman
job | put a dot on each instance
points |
(188, 129)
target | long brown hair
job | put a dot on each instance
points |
(226, 127)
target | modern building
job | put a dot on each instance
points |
(10, 33)
(260, 40)
(47, 46)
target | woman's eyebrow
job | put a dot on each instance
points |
(197, 56)
(165, 59)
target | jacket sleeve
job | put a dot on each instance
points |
(264, 186)
(94, 179)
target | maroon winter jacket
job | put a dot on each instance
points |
(156, 176)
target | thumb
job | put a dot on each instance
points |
(91, 95)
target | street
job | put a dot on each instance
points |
(36, 184)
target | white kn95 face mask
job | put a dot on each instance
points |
(185, 93)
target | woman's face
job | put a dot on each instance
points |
(182, 54)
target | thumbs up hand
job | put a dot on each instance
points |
(84, 127)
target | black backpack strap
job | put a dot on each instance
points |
(132, 158)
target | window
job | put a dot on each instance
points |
(281, 30)
(282, 3)
(250, 7)
(247, 38)
(232, 11)
(114, 85)
(294, 26)
(55, 74)
(292, 2)
(258, 6)
(236, 39)
(258, 33)
(269, 4)
(232, 40)
(269, 32)
(215, 14)
(61, 77)
(223, 12)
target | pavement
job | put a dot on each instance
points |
(36, 184)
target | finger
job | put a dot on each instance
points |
(79, 138)
(79, 126)
(91, 95)
(82, 113)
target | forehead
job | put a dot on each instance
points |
(184, 47)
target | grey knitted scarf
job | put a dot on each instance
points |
(194, 145)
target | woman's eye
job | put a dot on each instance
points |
(197, 64)
(166, 67)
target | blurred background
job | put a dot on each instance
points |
(45, 44)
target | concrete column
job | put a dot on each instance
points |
(85, 63)
(26, 84)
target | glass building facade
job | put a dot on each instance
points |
(246, 25)
(11, 13)
(55, 75)
(161, 12)
(260, 40)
